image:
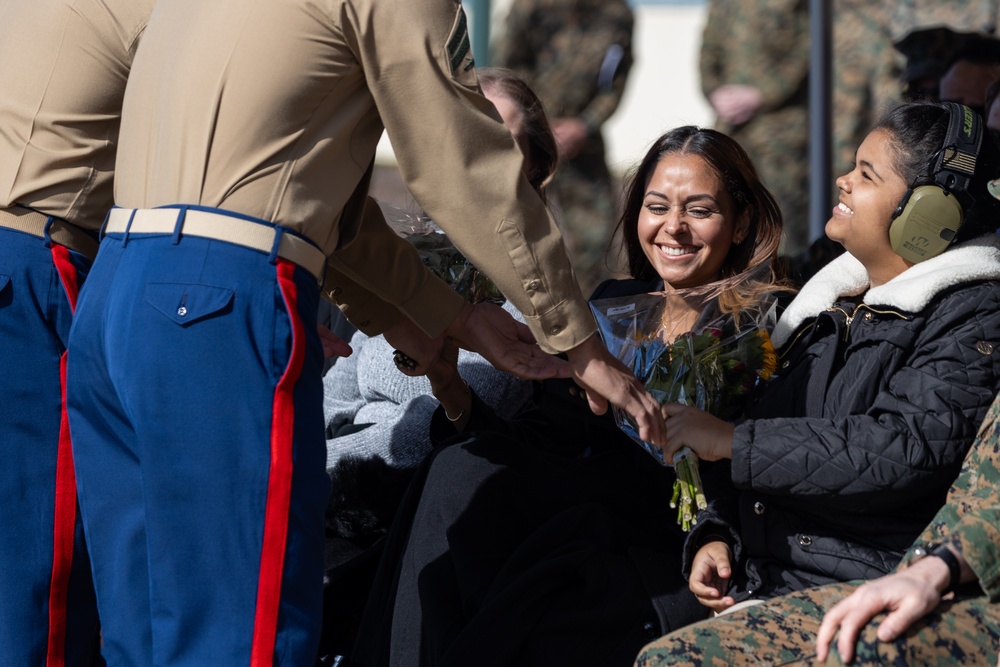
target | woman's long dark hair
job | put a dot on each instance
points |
(918, 132)
(740, 180)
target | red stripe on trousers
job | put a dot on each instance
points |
(279, 483)
(64, 525)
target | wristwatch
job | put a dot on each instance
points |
(945, 554)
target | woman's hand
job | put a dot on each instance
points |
(710, 573)
(448, 386)
(709, 437)
(908, 595)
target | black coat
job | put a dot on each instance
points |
(546, 539)
(855, 446)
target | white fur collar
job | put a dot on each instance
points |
(910, 291)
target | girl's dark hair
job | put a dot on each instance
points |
(918, 134)
(740, 180)
(543, 153)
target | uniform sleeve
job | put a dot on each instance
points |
(777, 55)
(461, 163)
(763, 44)
(915, 433)
(372, 301)
(970, 519)
(618, 59)
(977, 537)
(711, 57)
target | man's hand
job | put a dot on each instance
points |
(506, 343)
(333, 345)
(736, 103)
(908, 595)
(708, 436)
(710, 573)
(608, 380)
(571, 136)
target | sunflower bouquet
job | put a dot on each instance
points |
(716, 364)
(441, 256)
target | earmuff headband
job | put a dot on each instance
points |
(956, 162)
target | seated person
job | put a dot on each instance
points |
(548, 539)
(378, 419)
(371, 408)
(930, 611)
(888, 365)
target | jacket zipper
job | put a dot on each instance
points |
(850, 317)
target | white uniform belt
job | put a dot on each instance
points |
(219, 227)
(64, 233)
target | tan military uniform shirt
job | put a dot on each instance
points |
(274, 109)
(63, 67)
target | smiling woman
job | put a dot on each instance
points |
(687, 224)
(696, 211)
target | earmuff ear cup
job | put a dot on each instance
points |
(927, 223)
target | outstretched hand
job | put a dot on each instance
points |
(490, 331)
(908, 595)
(606, 379)
(711, 570)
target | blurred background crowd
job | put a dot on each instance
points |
(741, 67)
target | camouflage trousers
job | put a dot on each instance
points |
(965, 631)
(586, 210)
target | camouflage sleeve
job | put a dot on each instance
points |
(977, 537)
(617, 27)
(712, 57)
(776, 54)
(970, 519)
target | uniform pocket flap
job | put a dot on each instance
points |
(4, 281)
(186, 303)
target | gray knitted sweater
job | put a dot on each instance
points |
(366, 388)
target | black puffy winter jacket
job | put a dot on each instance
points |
(854, 447)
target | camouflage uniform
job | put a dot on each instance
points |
(766, 44)
(964, 630)
(959, 15)
(576, 54)
(865, 75)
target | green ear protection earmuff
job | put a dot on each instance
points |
(931, 212)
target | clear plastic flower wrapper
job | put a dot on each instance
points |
(441, 256)
(686, 349)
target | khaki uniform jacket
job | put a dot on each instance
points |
(274, 109)
(63, 68)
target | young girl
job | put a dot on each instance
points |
(890, 365)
